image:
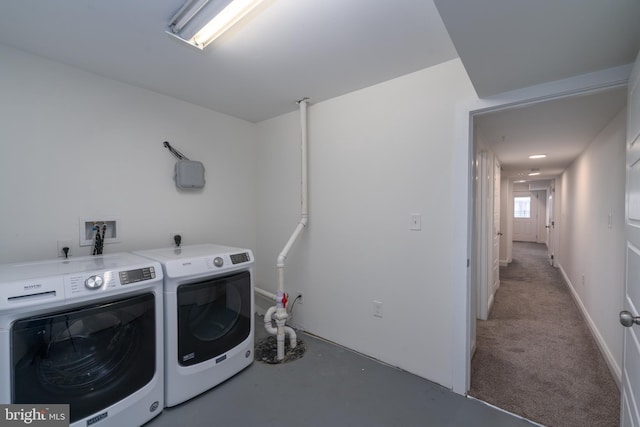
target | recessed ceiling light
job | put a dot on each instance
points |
(534, 173)
(520, 182)
(537, 156)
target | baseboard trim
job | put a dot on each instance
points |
(613, 366)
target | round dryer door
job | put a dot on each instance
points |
(214, 316)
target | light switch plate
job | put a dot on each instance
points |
(415, 222)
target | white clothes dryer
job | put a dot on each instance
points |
(209, 325)
(85, 331)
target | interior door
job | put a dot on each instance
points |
(550, 226)
(496, 226)
(525, 216)
(631, 360)
(484, 240)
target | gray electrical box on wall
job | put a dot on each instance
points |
(189, 175)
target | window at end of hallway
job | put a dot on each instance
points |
(522, 207)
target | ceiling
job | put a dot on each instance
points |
(290, 49)
(285, 51)
(562, 129)
(510, 44)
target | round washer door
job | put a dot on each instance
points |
(89, 357)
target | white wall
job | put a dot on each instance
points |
(376, 155)
(77, 145)
(591, 188)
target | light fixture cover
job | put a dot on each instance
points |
(199, 22)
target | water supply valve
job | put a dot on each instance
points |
(281, 299)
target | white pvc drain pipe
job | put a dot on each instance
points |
(279, 311)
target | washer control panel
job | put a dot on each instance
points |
(56, 282)
(80, 284)
(137, 275)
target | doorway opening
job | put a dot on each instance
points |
(464, 238)
(520, 205)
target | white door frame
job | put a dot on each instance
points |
(464, 198)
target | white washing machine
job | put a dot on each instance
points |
(86, 331)
(209, 325)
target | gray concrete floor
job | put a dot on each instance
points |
(330, 386)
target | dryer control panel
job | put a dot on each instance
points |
(197, 260)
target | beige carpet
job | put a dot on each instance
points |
(535, 356)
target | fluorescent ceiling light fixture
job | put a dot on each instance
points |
(520, 182)
(537, 156)
(199, 22)
(534, 173)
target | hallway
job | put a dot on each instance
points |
(535, 355)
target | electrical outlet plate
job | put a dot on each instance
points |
(377, 309)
